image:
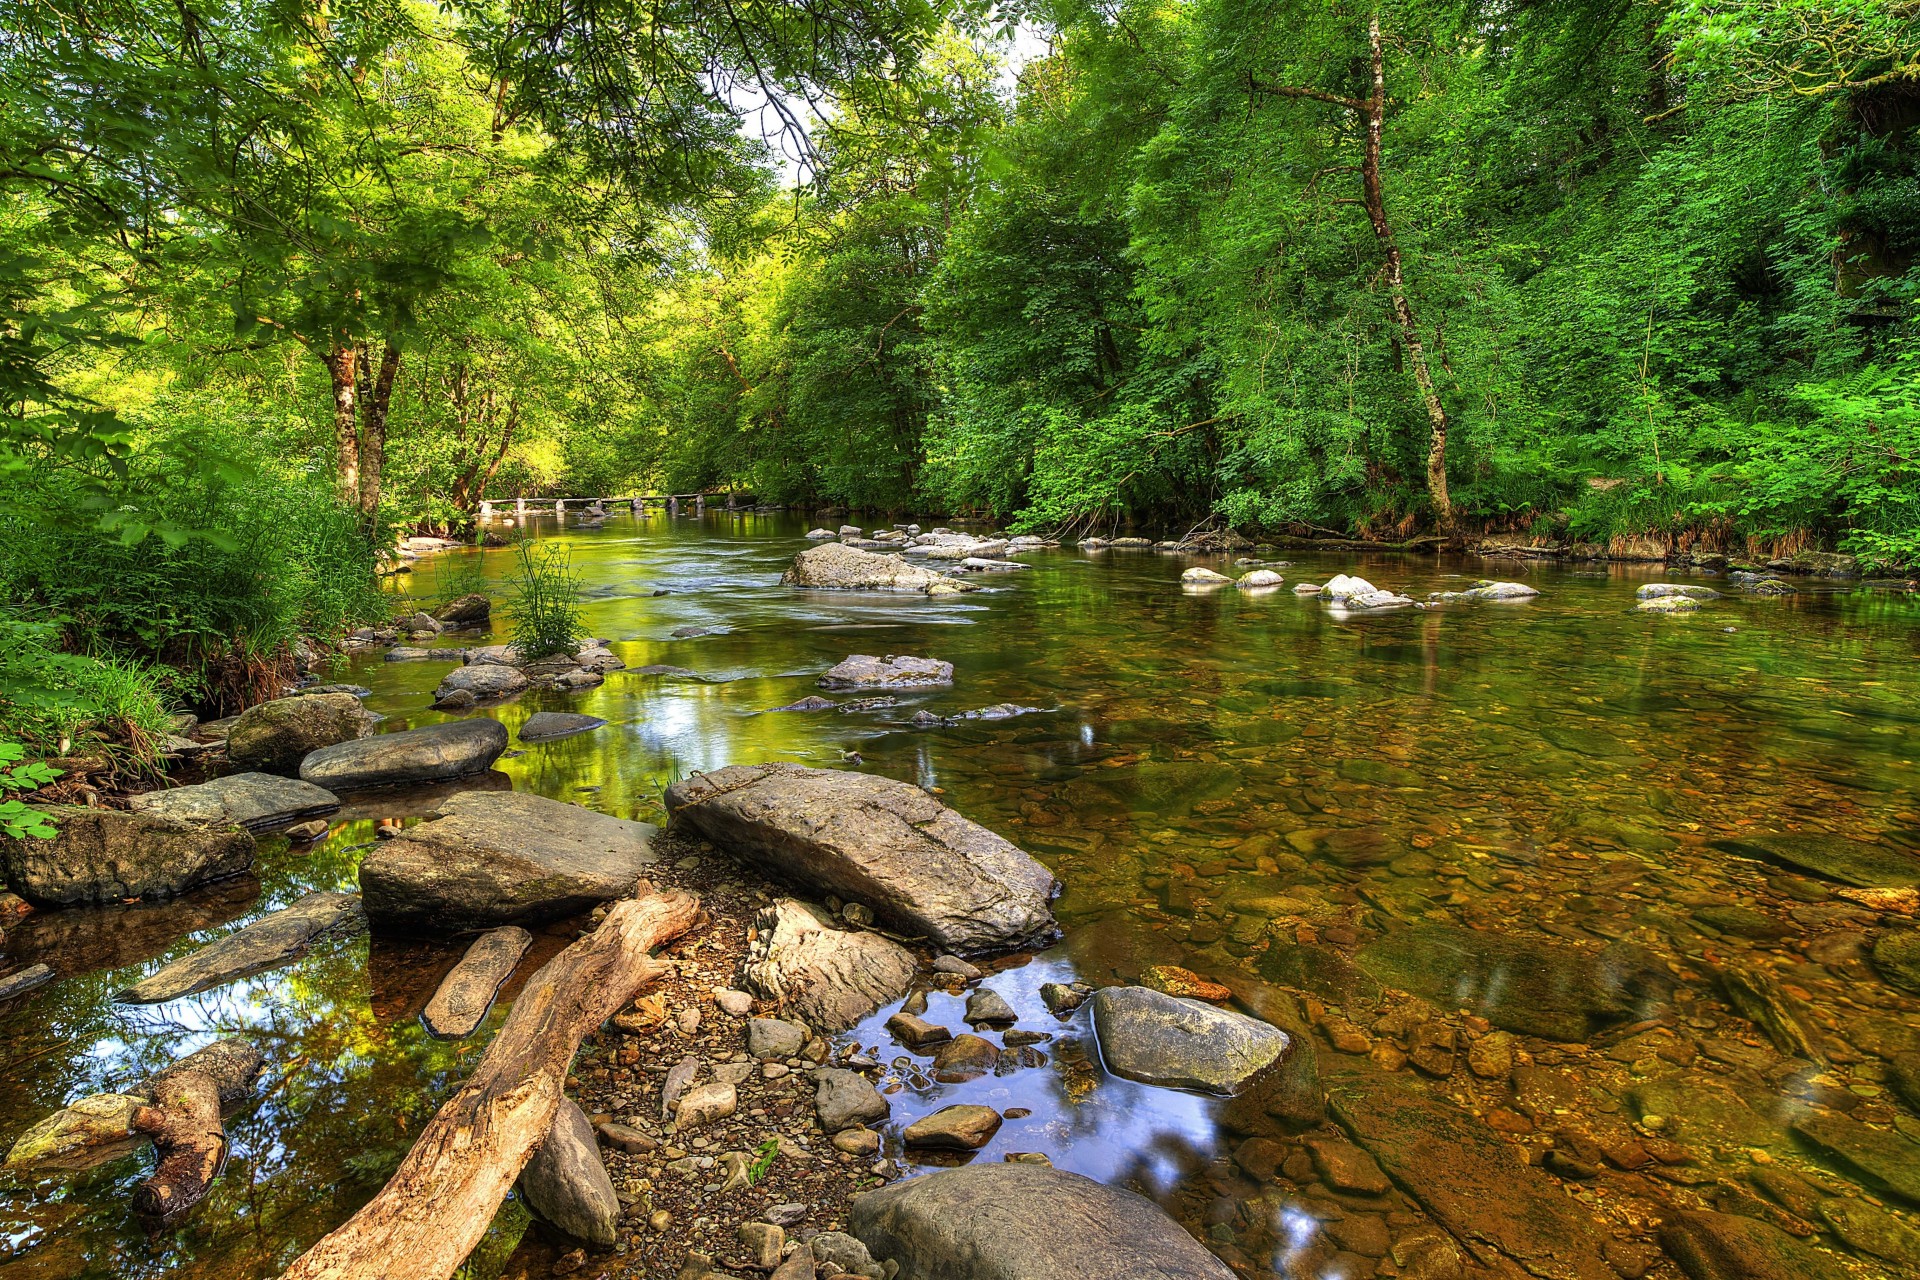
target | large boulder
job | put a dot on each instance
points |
(276, 736)
(1524, 984)
(1155, 1038)
(267, 943)
(1025, 1222)
(431, 754)
(889, 845)
(831, 977)
(832, 566)
(503, 857)
(565, 1182)
(103, 855)
(483, 681)
(255, 800)
(865, 671)
(465, 611)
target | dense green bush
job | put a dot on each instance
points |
(543, 601)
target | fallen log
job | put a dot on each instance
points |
(183, 1119)
(429, 1216)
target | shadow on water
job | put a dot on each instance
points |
(1248, 786)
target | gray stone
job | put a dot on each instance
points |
(769, 1038)
(1528, 985)
(703, 1104)
(1669, 590)
(845, 1099)
(254, 800)
(544, 725)
(865, 671)
(1025, 1222)
(461, 1001)
(21, 981)
(1854, 862)
(1158, 1039)
(265, 944)
(834, 567)
(567, 1185)
(104, 855)
(1468, 1178)
(922, 867)
(500, 857)
(986, 1007)
(274, 737)
(482, 681)
(831, 977)
(431, 754)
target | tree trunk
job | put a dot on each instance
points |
(1374, 198)
(343, 371)
(373, 431)
(183, 1119)
(436, 1207)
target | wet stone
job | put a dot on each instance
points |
(461, 1002)
(986, 1007)
(960, 1127)
(1346, 1167)
(267, 943)
(964, 1056)
(1157, 1039)
(1854, 862)
(1723, 1246)
(915, 1032)
(1889, 1160)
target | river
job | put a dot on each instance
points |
(1245, 784)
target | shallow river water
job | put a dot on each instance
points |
(1492, 859)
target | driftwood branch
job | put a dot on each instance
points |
(429, 1216)
(183, 1119)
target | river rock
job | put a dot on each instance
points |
(21, 981)
(1671, 590)
(831, 566)
(274, 737)
(831, 977)
(1259, 578)
(1725, 1246)
(98, 1120)
(464, 995)
(960, 1127)
(543, 726)
(919, 865)
(965, 1056)
(567, 1185)
(1158, 1039)
(1855, 862)
(844, 1099)
(987, 1007)
(267, 943)
(1469, 1178)
(502, 857)
(1529, 985)
(864, 671)
(703, 1104)
(1201, 577)
(1897, 956)
(465, 611)
(818, 534)
(1889, 1159)
(1668, 604)
(770, 1038)
(105, 855)
(430, 754)
(1025, 1222)
(481, 681)
(253, 800)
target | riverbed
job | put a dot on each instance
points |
(1309, 807)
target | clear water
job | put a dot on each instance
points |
(1555, 770)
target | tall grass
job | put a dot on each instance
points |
(543, 601)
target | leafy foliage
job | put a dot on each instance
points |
(18, 777)
(543, 601)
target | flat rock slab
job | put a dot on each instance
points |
(834, 567)
(1158, 1039)
(464, 995)
(1025, 1222)
(566, 1183)
(1473, 1182)
(865, 671)
(1854, 862)
(831, 977)
(1724, 1246)
(961, 1127)
(431, 754)
(919, 865)
(503, 857)
(543, 726)
(1529, 985)
(64, 1139)
(267, 943)
(1888, 1159)
(254, 800)
(104, 855)
(21, 981)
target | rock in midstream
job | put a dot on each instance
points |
(1158, 1039)
(274, 737)
(267, 943)
(21, 981)
(830, 977)
(434, 753)
(254, 800)
(1025, 1222)
(543, 726)
(500, 857)
(461, 1001)
(919, 865)
(833, 567)
(865, 671)
(104, 855)
(566, 1183)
